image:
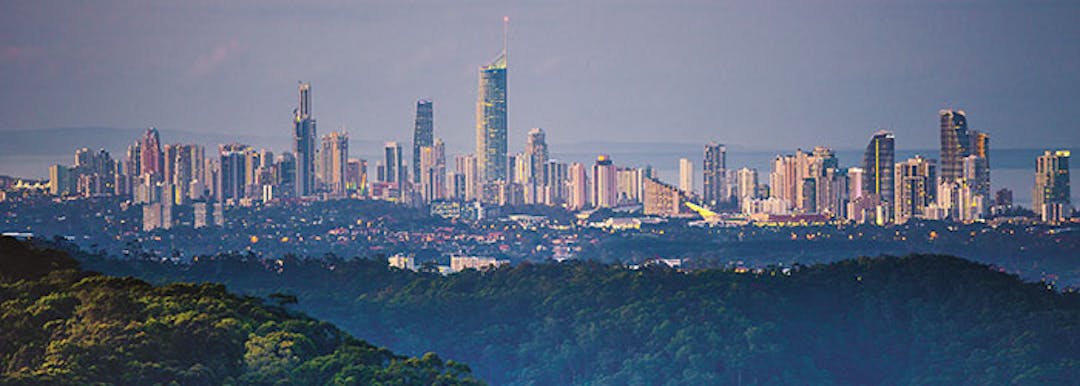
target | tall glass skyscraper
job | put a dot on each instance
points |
(955, 144)
(151, 157)
(423, 134)
(394, 173)
(304, 143)
(1051, 196)
(878, 164)
(491, 120)
(713, 169)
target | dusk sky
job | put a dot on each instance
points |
(760, 74)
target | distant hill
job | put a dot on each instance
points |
(60, 325)
(922, 319)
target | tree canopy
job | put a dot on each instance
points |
(61, 325)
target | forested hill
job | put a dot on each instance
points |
(60, 325)
(870, 321)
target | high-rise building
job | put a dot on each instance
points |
(1051, 196)
(746, 184)
(252, 161)
(433, 171)
(556, 175)
(304, 143)
(605, 184)
(686, 176)
(957, 200)
(286, 173)
(466, 166)
(979, 168)
(631, 185)
(233, 169)
(783, 179)
(60, 181)
(151, 159)
(713, 170)
(915, 187)
(809, 195)
(662, 199)
(356, 177)
(133, 163)
(491, 122)
(423, 133)
(393, 163)
(578, 188)
(184, 166)
(536, 150)
(93, 174)
(955, 143)
(855, 182)
(878, 164)
(832, 192)
(334, 158)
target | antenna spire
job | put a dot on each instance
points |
(506, 34)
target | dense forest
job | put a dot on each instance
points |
(63, 325)
(920, 319)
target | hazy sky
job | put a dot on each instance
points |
(762, 74)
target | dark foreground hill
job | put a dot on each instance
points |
(922, 319)
(60, 325)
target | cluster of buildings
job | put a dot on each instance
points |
(801, 186)
(457, 263)
(881, 190)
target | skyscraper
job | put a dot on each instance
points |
(304, 143)
(555, 182)
(433, 171)
(915, 187)
(491, 123)
(605, 183)
(747, 181)
(1051, 196)
(855, 182)
(783, 180)
(979, 168)
(465, 166)
(151, 158)
(334, 158)
(285, 177)
(183, 164)
(423, 133)
(809, 195)
(686, 176)
(579, 187)
(713, 169)
(356, 177)
(232, 173)
(631, 184)
(878, 164)
(393, 164)
(60, 181)
(955, 143)
(536, 149)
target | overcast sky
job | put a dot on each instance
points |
(762, 74)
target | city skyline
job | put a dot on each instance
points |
(575, 101)
(654, 192)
